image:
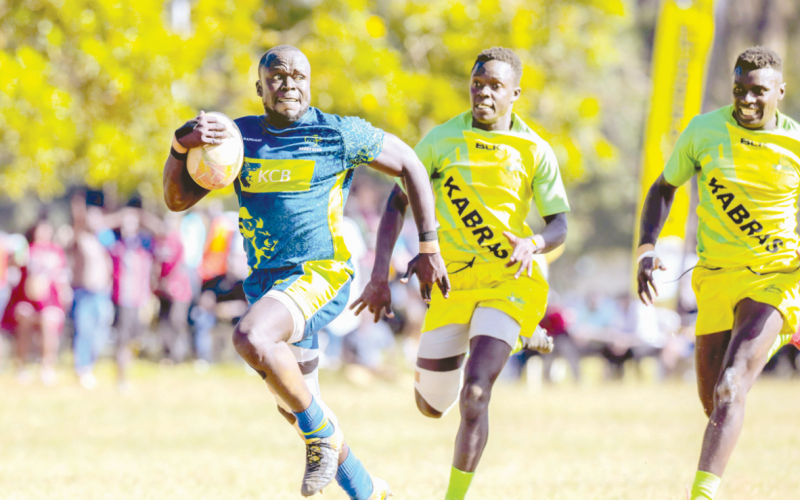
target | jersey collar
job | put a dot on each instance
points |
(303, 119)
(517, 125)
(780, 125)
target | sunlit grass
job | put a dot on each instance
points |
(181, 435)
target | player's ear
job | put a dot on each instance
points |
(516, 94)
(782, 91)
(258, 89)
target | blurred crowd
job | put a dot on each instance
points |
(125, 282)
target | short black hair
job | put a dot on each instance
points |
(758, 57)
(501, 54)
(275, 50)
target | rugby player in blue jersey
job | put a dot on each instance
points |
(298, 166)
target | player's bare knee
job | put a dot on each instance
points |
(254, 344)
(475, 399)
(729, 387)
(425, 408)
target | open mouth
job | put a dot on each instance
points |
(484, 106)
(748, 112)
(287, 100)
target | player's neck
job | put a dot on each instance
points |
(279, 121)
(771, 124)
(502, 125)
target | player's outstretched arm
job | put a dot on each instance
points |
(377, 295)
(655, 210)
(551, 237)
(399, 160)
(180, 191)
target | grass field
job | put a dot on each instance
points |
(179, 435)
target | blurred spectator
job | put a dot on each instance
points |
(92, 275)
(37, 303)
(222, 298)
(132, 262)
(218, 244)
(173, 289)
(193, 237)
(555, 322)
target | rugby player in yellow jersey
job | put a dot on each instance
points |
(485, 166)
(747, 159)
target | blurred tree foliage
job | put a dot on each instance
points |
(91, 90)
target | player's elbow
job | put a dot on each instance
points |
(557, 227)
(175, 202)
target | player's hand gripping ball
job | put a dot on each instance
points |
(215, 166)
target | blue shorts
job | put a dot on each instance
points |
(321, 289)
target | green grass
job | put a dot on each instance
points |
(179, 435)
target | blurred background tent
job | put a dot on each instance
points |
(91, 90)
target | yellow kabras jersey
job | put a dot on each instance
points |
(484, 183)
(748, 182)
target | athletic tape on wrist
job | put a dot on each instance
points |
(428, 236)
(178, 147)
(178, 156)
(429, 247)
(538, 240)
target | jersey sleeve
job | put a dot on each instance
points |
(682, 164)
(548, 189)
(362, 142)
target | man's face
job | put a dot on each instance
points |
(492, 90)
(755, 96)
(284, 86)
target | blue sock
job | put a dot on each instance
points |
(353, 478)
(313, 422)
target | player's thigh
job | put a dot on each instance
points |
(709, 354)
(755, 329)
(493, 334)
(266, 322)
(440, 361)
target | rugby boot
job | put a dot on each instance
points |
(380, 489)
(322, 461)
(538, 341)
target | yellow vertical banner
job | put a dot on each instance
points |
(684, 34)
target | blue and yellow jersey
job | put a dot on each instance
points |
(294, 184)
(748, 182)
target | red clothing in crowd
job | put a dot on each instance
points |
(174, 283)
(42, 276)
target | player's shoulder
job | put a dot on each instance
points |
(454, 127)
(249, 125)
(343, 123)
(524, 131)
(713, 119)
(790, 126)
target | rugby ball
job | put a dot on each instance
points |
(215, 166)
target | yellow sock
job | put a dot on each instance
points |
(705, 486)
(459, 484)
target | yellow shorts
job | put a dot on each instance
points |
(719, 291)
(490, 285)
